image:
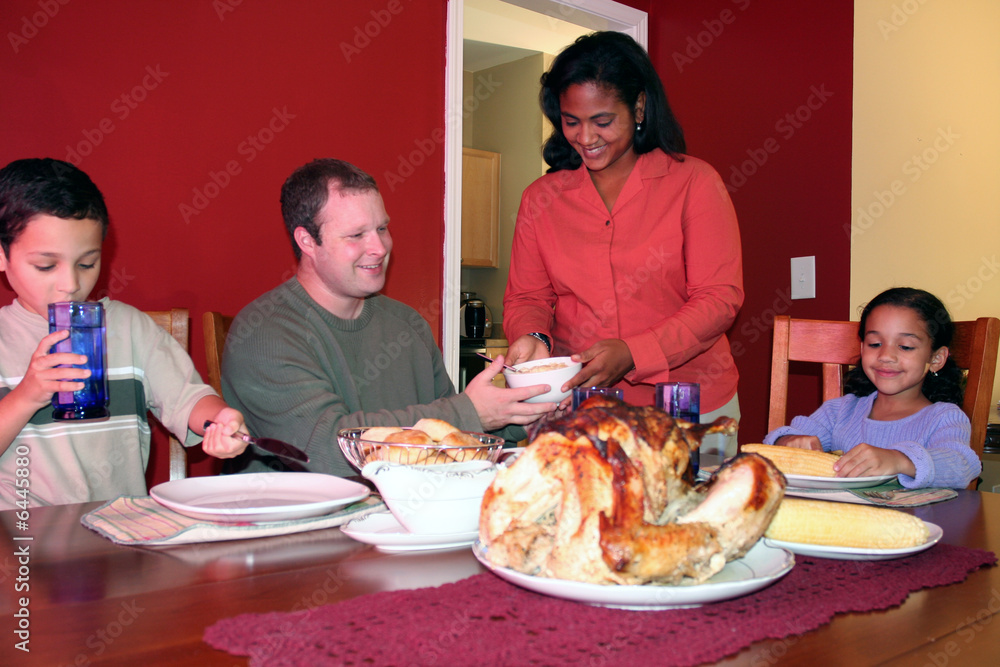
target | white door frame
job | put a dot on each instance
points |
(593, 14)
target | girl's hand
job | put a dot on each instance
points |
(800, 442)
(605, 363)
(867, 461)
(218, 441)
(43, 377)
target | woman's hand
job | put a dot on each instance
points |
(604, 364)
(800, 442)
(526, 348)
(864, 460)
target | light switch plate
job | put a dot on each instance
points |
(804, 277)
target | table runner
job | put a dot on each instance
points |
(485, 620)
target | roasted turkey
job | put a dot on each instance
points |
(605, 495)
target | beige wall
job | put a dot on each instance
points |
(926, 201)
(506, 121)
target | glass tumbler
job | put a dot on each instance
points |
(580, 394)
(87, 336)
(681, 400)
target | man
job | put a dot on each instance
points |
(325, 351)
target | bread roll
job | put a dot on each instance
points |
(379, 433)
(408, 455)
(410, 437)
(434, 457)
(436, 428)
(456, 440)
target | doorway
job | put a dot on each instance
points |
(505, 29)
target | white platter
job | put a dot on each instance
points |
(258, 496)
(853, 553)
(763, 565)
(384, 531)
(810, 482)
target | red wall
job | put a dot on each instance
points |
(734, 71)
(188, 104)
(260, 90)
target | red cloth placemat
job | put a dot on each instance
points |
(484, 620)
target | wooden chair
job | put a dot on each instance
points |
(836, 344)
(216, 326)
(175, 322)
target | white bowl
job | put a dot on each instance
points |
(433, 499)
(554, 378)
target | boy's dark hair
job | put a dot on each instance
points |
(947, 385)
(306, 191)
(35, 186)
(613, 61)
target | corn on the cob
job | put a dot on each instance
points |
(845, 525)
(794, 461)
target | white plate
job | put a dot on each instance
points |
(762, 566)
(385, 532)
(853, 553)
(810, 482)
(258, 496)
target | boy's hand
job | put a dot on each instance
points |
(217, 441)
(43, 377)
(864, 460)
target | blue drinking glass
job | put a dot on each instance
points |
(87, 336)
(681, 400)
(580, 394)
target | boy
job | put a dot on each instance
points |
(53, 220)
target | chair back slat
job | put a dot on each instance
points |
(175, 322)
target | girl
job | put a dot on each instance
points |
(901, 414)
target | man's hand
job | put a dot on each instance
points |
(604, 364)
(497, 407)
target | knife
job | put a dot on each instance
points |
(276, 447)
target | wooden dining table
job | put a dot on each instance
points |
(90, 601)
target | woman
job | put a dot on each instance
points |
(626, 254)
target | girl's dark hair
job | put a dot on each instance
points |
(614, 61)
(947, 385)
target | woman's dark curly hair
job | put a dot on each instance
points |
(613, 61)
(947, 385)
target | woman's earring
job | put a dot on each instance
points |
(638, 126)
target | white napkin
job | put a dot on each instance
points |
(141, 521)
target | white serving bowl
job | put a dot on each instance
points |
(433, 499)
(554, 378)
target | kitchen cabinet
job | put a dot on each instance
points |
(480, 208)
